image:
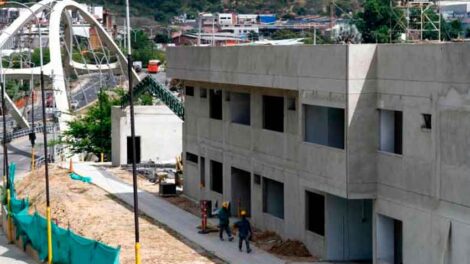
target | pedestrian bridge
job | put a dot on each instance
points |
(63, 70)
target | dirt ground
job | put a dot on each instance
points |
(92, 212)
(289, 250)
(144, 184)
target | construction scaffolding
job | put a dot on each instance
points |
(416, 20)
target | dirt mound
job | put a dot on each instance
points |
(92, 212)
(290, 248)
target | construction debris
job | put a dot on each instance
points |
(291, 250)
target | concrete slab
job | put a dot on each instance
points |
(175, 218)
(10, 254)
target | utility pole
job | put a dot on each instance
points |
(314, 35)
(199, 31)
(131, 105)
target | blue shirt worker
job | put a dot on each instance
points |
(224, 222)
(244, 232)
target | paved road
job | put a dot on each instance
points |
(19, 152)
(11, 254)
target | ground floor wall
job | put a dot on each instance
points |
(276, 200)
(409, 228)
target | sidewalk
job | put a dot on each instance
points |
(11, 254)
(175, 218)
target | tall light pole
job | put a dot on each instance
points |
(6, 171)
(131, 104)
(46, 157)
(44, 124)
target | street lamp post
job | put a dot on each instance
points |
(131, 105)
(44, 123)
(6, 168)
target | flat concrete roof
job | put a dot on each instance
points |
(309, 67)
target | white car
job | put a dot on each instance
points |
(74, 104)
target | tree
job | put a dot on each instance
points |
(91, 133)
(375, 20)
(162, 38)
(35, 57)
(146, 99)
(285, 34)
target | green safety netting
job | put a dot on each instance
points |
(67, 247)
(77, 177)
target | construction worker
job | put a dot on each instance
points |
(244, 232)
(224, 221)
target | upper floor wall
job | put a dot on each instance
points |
(280, 67)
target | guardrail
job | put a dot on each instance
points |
(25, 132)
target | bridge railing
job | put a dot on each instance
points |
(25, 132)
(157, 90)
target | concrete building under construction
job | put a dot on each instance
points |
(359, 151)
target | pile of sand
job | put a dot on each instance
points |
(92, 212)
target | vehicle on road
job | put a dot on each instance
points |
(137, 66)
(74, 104)
(153, 66)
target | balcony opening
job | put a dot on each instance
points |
(427, 123)
(389, 240)
(391, 131)
(191, 157)
(202, 172)
(324, 126)
(273, 198)
(240, 108)
(315, 212)
(203, 92)
(215, 104)
(217, 177)
(241, 191)
(273, 113)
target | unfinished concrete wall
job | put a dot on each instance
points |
(424, 187)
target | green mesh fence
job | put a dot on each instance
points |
(77, 177)
(67, 247)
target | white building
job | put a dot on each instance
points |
(225, 19)
(247, 19)
(158, 135)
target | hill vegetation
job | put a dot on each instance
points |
(164, 10)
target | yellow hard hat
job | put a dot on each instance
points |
(225, 204)
(243, 213)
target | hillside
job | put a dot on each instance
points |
(164, 10)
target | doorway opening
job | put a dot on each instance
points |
(241, 191)
(129, 150)
(389, 240)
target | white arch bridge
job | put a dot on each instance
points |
(67, 62)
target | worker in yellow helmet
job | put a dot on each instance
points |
(244, 232)
(224, 221)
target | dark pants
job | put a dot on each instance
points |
(225, 228)
(247, 242)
